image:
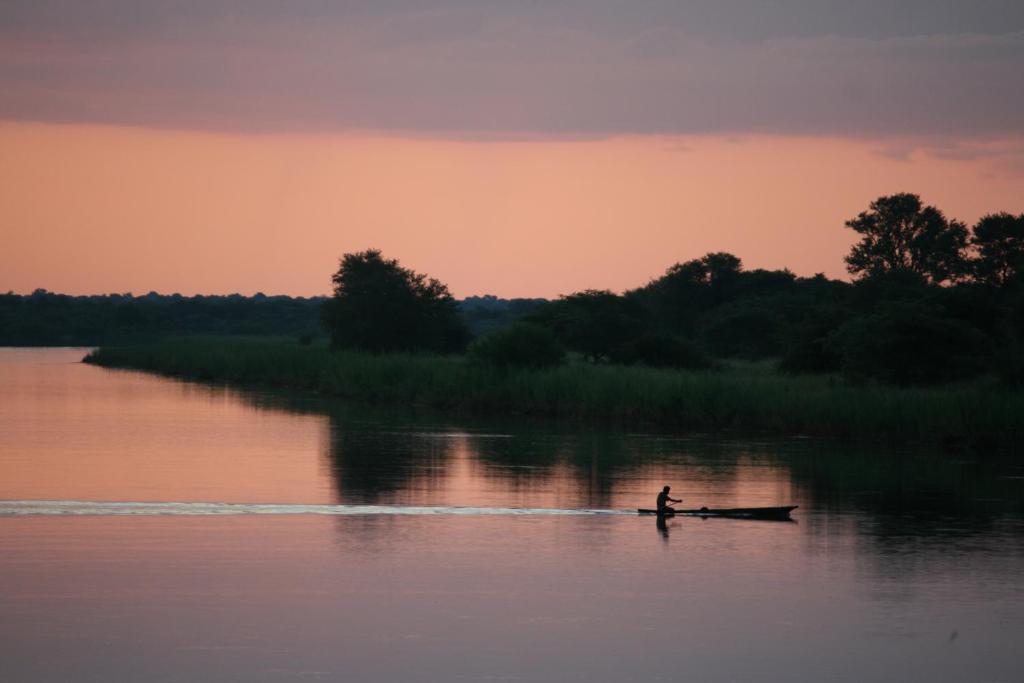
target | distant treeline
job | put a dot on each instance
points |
(485, 315)
(49, 319)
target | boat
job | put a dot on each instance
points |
(733, 513)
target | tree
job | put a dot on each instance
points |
(898, 233)
(910, 343)
(379, 306)
(688, 289)
(999, 241)
(718, 269)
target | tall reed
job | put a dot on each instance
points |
(741, 396)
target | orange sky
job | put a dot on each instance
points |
(95, 209)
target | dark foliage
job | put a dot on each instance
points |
(662, 351)
(593, 323)
(907, 344)
(809, 348)
(487, 314)
(687, 290)
(46, 319)
(928, 306)
(522, 345)
(1008, 363)
(749, 332)
(380, 306)
(999, 241)
(899, 233)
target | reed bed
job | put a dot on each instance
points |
(747, 397)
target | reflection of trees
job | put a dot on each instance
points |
(376, 457)
(586, 466)
(372, 463)
(597, 465)
(913, 514)
(384, 455)
(908, 494)
(375, 464)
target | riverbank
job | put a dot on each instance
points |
(739, 397)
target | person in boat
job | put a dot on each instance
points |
(664, 499)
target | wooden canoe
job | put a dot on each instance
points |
(735, 513)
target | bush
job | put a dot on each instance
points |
(662, 351)
(522, 345)
(910, 345)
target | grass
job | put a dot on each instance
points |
(741, 396)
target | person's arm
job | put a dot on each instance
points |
(676, 500)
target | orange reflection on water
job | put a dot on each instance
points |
(75, 432)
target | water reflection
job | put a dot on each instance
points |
(70, 431)
(894, 552)
(402, 456)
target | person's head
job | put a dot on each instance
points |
(667, 489)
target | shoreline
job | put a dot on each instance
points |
(744, 398)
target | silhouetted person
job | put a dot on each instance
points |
(664, 499)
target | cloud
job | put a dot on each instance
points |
(499, 69)
(1003, 156)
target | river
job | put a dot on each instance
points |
(156, 530)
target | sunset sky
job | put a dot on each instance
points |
(514, 148)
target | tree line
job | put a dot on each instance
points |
(48, 319)
(45, 318)
(931, 301)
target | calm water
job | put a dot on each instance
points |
(379, 545)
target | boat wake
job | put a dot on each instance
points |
(19, 508)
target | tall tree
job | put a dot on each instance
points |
(898, 233)
(999, 240)
(380, 306)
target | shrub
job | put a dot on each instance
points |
(522, 345)
(662, 351)
(906, 344)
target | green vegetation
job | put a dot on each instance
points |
(48, 319)
(522, 345)
(926, 345)
(488, 314)
(933, 303)
(740, 396)
(380, 306)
